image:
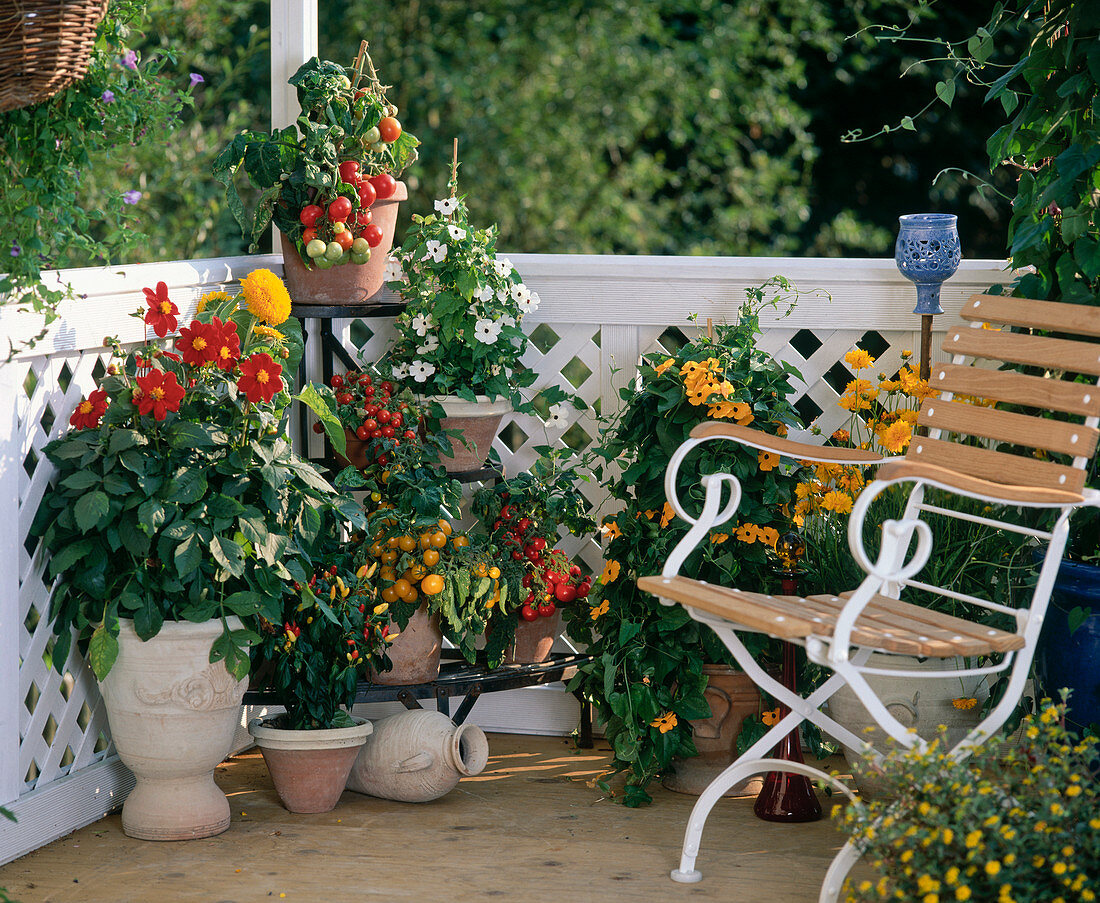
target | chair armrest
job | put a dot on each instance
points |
(788, 448)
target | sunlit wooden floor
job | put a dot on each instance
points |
(529, 828)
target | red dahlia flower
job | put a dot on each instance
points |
(161, 314)
(87, 413)
(158, 393)
(260, 377)
(225, 342)
(195, 344)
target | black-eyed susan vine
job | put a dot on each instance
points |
(646, 680)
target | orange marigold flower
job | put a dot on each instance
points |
(896, 436)
(964, 702)
(162, 313)
(767, 460)
(260, 377)
(858, 359)
(839, 502)
(89, 411)
(667, 515)
(610, 572)
(664, 723)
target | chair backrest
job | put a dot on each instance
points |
(1026, 440)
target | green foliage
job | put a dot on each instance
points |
(647, 679)
(48, 147)
(332, 630)
(299, 165)
(967, 830)
(460, 332)
(195, 509)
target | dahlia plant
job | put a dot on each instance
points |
(177, 495)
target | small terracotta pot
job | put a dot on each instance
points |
(534, 640)
(347, 283)
(733, 697)
(415, 653)
(309, 768)
(356, 455)
(478, 422)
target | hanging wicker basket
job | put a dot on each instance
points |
(44, 46)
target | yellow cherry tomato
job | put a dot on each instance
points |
(388, 574)
(390, 594)
(432, 584)
(376, 549)
(416, 572)
(426, 540)
(406, 543)
(389, 557)
(445, 526)
(438, 539)
(402, 586)
(482, 571)
(494, 572)
(431, 557)
(411, 596)
(460, 542)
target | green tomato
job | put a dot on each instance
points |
(344, 82)
(360, 258)
(378, 148)
(361, 247)
(315, 248)
(372, 136)
(333, 251)
(322, 263)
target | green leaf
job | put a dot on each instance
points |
(188, 556)
(148, 619)
(151, 516)
(186, 434)
(334, 429)
(228, 554)
(66, 557)
(1077, 616)
(187, 486)
(244, 604)
(82, 479)
(102, 652)
(945, 91)
(124, 439)
(907, 124)
(91, 510)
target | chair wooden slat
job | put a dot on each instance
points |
(994, 466)
(1029, 391)
(786, 447)
(1006, 426)
(1055, 316)
(1040, 351)
(909, 469)
(887, 624)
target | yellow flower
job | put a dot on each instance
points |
(667, 515)
(858, 359)
(269, 333)
(767, 460)
(1059, 868)
(964, 702)
(858, 395)
(973, 839)
(719, 538)
(962, 892)
(896, 436)
(664, 723)
(610, 572)
(266, 296)
(992, 867)
(839, 502)
(212, 298)
(650, 514)
(599, 610)
(952, 875)
(906, 353)
(664, 365)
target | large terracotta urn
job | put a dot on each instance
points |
(346, 283)
(173, 715)
(415, 653)
(478, 423)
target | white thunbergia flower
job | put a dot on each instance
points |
(495, 369)
(520, 293)
(430, 344)
(503, 266)
(484, 294)
(393, 273)
(530, 303)
(401, 371)
(508, 320)
(435, 250)
(420, 371)
(456, 233)
(502, 296)
(447, 206)
(556, 415)
(422, 324)
(486, 331)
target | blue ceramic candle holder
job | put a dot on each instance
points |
(927, 253)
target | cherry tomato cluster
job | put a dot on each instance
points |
(344, 230)
(553, 581)
(417, 558)
(374, 413)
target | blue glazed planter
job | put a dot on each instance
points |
(1065, 660)
(927, 252)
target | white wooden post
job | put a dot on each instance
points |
(11, 781)
(293, 41)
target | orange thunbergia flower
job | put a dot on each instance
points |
(767, 460)
(664, 723)
(719, 538)
(650, 513)
(664, 365)
(611, 529)
(748, 533)
(667, 515)
(610, 572)
(769, 536)
(769, 718)
(599, 610)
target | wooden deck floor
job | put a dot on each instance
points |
(528, 828)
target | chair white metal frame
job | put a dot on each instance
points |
(840, 632)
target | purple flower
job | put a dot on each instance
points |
(108, 96)
(129, 59)
(15, 250)
(196, 79)
(131, 197)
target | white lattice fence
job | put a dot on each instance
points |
(598, 315)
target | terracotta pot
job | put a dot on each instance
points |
(347, 283)
(418, 756)
(309, 768)
(921, 703)
(173, 715)
(415, 653)
(478, 422)
(534, 640)
(356, 452)
(733, 697)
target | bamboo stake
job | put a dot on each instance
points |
(710, 329)
(454, 169)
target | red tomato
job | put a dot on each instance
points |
(565, 593)
(364, 217)
(365, 379)
(367, 194)
(409, 434)
(308, 235)
(539, 543)
(339, 210)
(386, 386)
(344, 239)
(349, 171)
(390, 129)
(371, 409)
(344, 398)
(583, 590)
(373, 235)
(546, 609)
(318, 427)
(363, 433)
(384, 416)
(376, 434)
(370, 423)
(384, 185)
(387, 432)
(517, 555)
(397, 420)
(368, 391)
(337, 381)
(310, 214)
(528, 613)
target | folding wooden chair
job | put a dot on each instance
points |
(840, 632)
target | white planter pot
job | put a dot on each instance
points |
(173, 715)
(921, 703)
(478, 422)
(309, 768)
